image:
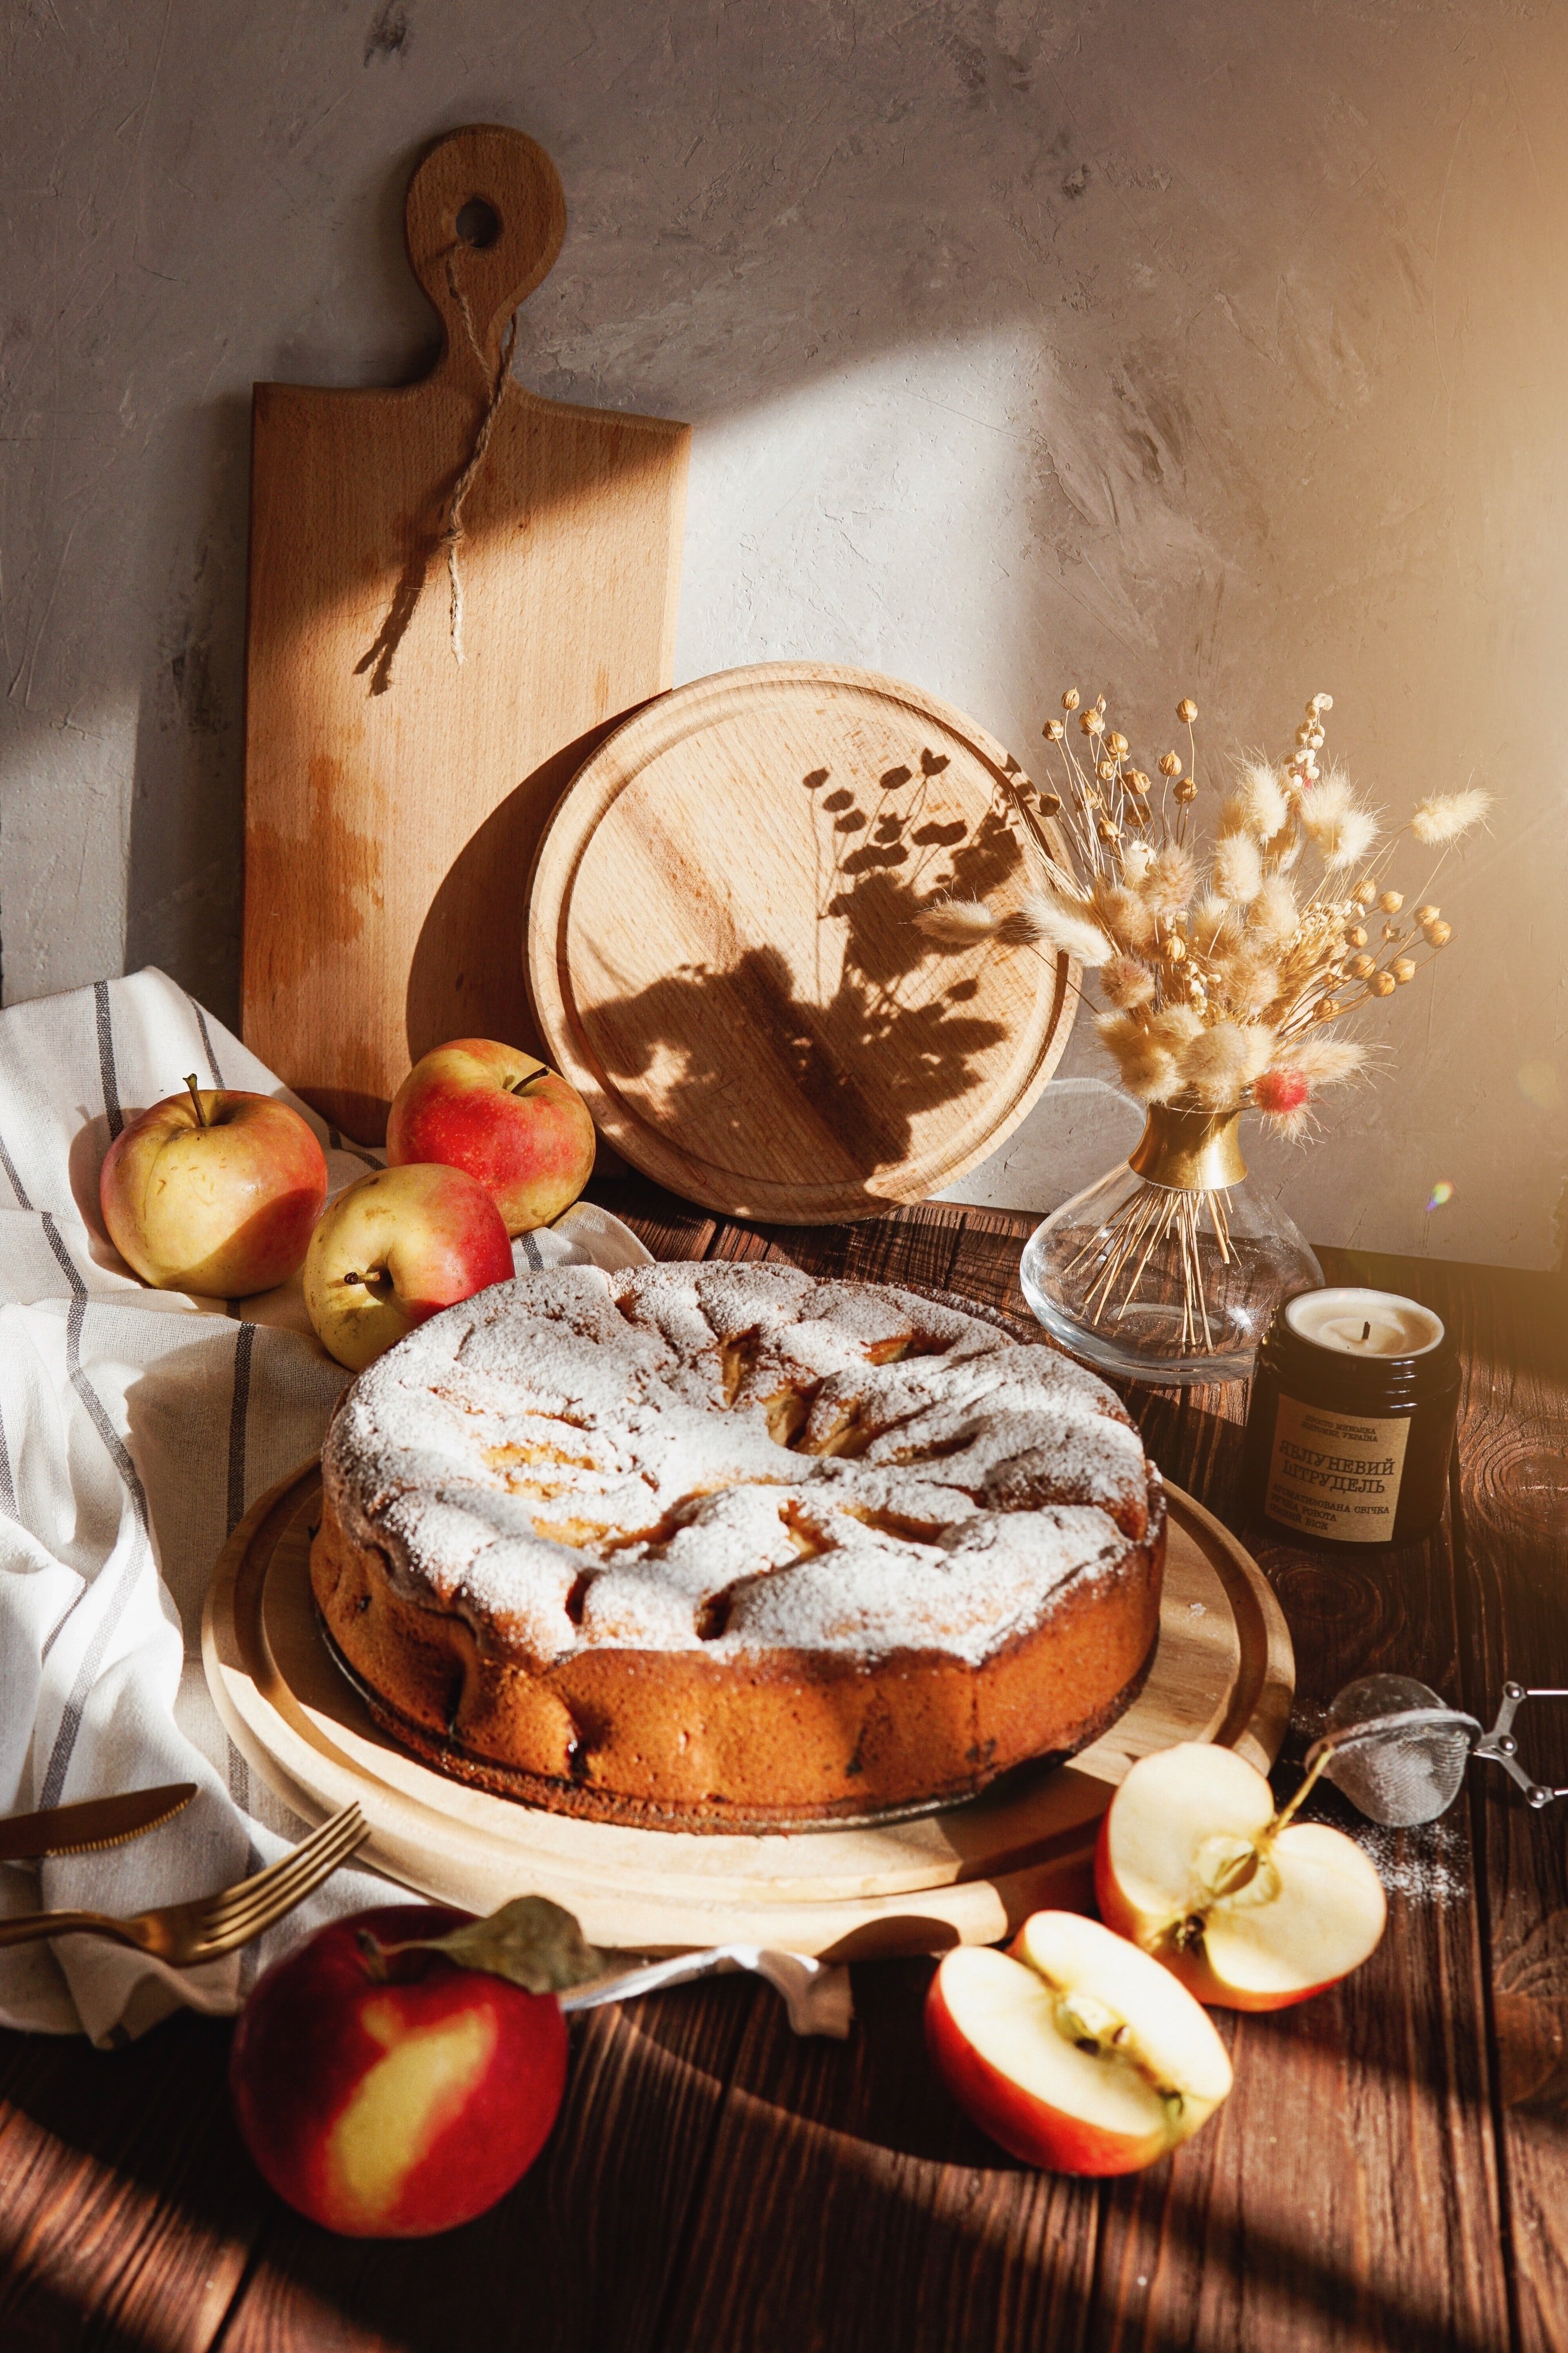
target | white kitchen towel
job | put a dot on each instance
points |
(136, 1426)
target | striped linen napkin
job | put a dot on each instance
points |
(136, 1426)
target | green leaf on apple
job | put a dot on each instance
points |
(530, 1942)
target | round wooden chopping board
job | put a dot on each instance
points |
(1223, 1672)
(724, 957)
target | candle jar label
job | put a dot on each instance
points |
(1335, 1474)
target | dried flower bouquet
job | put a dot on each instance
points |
(1224, 965)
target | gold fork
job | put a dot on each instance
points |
(186, 1933)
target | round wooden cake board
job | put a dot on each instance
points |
(723, 955)
(1223, 1672)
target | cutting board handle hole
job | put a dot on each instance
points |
(478, 223)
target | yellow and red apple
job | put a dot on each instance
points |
(1073, 2049)
(396, 1247)
(392, 2095)
(502, 1116)
(1249, 1912)
(214, 1191)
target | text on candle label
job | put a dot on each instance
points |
(1335, 1475)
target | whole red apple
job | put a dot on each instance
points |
(214, 1191)
(389, 2095)
(503, 1117)
(395, 1247)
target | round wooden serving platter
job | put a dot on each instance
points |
(1223, 1672)
(723, 956)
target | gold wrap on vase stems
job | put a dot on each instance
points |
(1189, 1149)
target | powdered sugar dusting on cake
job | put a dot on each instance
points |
(735, 1458)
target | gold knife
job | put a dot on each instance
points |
(97, 1823)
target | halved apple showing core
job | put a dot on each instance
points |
(1074, 2050)
(1249, 1909)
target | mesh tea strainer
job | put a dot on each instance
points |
(1399, 1755)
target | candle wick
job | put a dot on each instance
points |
(1366, 1330)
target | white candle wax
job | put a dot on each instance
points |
(1355, 1323)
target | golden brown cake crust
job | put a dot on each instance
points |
(878, 1552)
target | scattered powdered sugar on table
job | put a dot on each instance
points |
(738, 1457)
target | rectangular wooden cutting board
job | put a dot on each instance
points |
(393, 793)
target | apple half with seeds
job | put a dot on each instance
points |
(1248, 1908)
(1074, 2050)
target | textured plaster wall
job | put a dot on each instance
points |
(1216, 348)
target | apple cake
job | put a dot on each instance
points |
(720, 1547)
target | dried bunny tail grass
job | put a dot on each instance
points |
(1342, 840)
(1331, 796)
(1339, 828)
(1322, 1061)
(1220, 1063)
(958, 923)
(1247, 978)
(1149, 1069)
(1171, 880)
(1213, 924)
(1175, 1025)
(1126, 983)
(1290, 1126)
(1259, 801)
(1125, 915)
(1274, 914)
(1136, 860)
(1066, 924)
(1445, 815)
(1237, 867)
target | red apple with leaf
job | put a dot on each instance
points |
(397, 2074)
(502, 1116)
(1251, 1909)
(215, 1191)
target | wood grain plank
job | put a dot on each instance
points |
(849, 2205)
(1512, 1516)
(128, 2208)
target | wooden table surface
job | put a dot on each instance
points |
(1390, 2170)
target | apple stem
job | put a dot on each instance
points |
(520, 1086)
(1283, 1816)
(195, 1098)
(374, 1956)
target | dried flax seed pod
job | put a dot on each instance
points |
(1052, 731)
(1186, 710)
(1402, 968)
(1170, 763)
(1069, 700)
(1186, 792)
(1392, 902)
(1439, 935)
(1383, 983)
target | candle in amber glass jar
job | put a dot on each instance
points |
(1352, 1417)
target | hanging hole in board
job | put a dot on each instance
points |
(478, 223)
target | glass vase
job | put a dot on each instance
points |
(1169, 1267)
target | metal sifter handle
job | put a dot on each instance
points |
(1500, 1746)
